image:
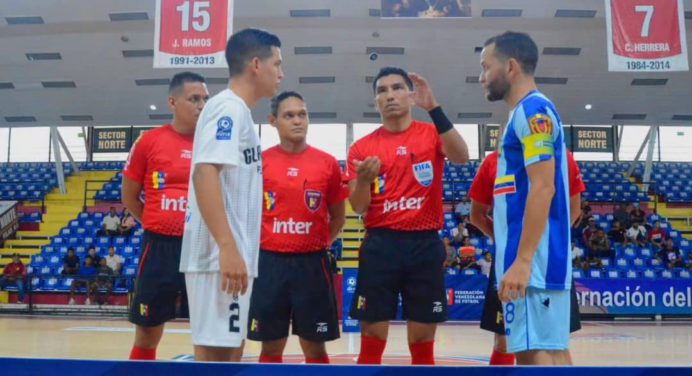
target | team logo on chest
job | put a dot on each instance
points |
(423, 172)
(313, 199)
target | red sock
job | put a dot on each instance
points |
(422, 353)
(139, 353)
(371, 350)
(502, 359)
(271, 359)
(323, 360)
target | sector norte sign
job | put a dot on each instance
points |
(115, 140)
(578, 139)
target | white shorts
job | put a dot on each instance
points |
(217, 319)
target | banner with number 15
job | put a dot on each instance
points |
(646, 36)
(192, 33)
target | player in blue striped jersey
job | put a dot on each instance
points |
(531, 206)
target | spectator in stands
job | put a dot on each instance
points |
(85, 278)
(657, 236)
(673, 257)
(91, 254)
(103, 280)
(127, 224)
(585, 209)
(70, 263)
(462, 210)
(599, 246)
(459, 233)
(467, 262)
(588, 232)
(578, 258)
(467, 249)
(115, 262)
(636, 234)
(617, 233)
(14, 274)
(452, 259)
(688, 261)
(485, 262)
(621, 215)
(111, 223)
(637, 214)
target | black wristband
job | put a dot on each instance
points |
(440, 120)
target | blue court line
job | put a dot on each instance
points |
(62, 367)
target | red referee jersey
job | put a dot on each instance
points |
(298, 190)
(160, 162)
(482, 187)
(407, 194)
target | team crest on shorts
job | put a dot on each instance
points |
(424, 173)
(313, 199)
(223, 128)
(541, 123)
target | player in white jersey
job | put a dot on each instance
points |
(222, 225)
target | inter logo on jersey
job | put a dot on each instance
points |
(224, 127)
(158, 179)
(541, 123)
(504, 185)
(378, 185)
(423, 172)
(269, 200)
(313, 199)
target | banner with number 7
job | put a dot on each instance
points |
(646, 35)
(192, 33)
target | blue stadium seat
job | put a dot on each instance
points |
(613, 273)
(577, 273)
(595, 273)
(51, 283)
(632, 274)
(65, 284)
(666, 274)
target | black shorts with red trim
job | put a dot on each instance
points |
(293, 289)
(159, 282)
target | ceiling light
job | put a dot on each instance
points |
(152, 107)
(588, 107)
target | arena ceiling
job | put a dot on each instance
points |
(99, 68)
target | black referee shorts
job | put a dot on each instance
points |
(409, 263)
(293, 288)
(159, 282)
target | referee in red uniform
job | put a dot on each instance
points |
(159, 166)
(395, 178)
(481, 194)
(303, 211)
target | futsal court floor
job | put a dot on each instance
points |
(597, 344)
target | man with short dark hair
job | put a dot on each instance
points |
(395, 179)
(111, 223)
(159, 166)
(84, 279)
(70, 263)
(657, 235)
(14, 273)
(303, 212)
(222, 229)
(531, 206)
